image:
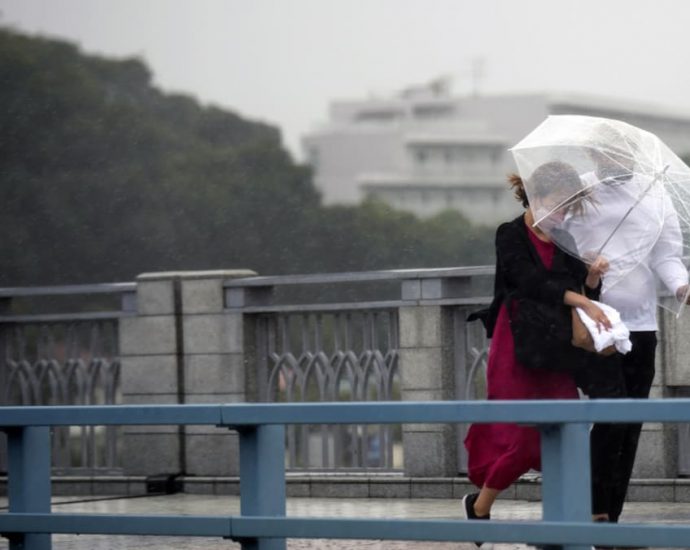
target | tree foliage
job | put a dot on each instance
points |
(103, 176)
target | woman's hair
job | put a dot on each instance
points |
(518, 187)
(551, 177)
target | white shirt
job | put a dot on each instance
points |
(646, 248)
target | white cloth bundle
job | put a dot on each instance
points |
(618, 335)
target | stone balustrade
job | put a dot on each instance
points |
(232, 336)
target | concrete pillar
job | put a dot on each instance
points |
(214, 368)
(149, 375)
(5, 309)
(180, 347)
(427, 368)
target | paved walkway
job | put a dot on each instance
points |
(392, 508)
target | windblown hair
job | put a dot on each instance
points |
(548, 178)
(518, 187)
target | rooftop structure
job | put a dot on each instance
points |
(426, 150)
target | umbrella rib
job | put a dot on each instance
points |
(658, 201)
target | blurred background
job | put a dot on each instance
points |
(300, 136)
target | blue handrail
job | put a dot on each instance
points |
(262, 523)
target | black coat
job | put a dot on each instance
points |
(520, 274)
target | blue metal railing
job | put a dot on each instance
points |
(262, 523)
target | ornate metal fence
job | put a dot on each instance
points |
(348, 351)
(64, 359)
(472, 350)
(327, 337)
(333, 356)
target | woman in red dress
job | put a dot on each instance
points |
(528, 266)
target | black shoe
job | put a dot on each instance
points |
(468, 509)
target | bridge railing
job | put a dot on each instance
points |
(59, 345)
(232, 336)
(392, 335)
(262, 523)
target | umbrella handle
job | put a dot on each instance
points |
(642, 195)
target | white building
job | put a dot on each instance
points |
(426, 151)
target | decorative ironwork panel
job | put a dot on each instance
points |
(334, 356)
(471, 354)
(66, 363)
(476, 346)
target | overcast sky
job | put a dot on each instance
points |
(283, 61)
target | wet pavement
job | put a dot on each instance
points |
(638, 512)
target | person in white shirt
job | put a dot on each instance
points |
(632, 290)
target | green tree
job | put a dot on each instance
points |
(103, 176)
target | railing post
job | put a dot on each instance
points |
(28, 451)
(262, 479)
(664, 450)
(566, 485)
(214, 367)
(5, 308)
(181, 347)
(150, 373)
(427, 369)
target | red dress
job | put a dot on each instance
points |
(500, 453)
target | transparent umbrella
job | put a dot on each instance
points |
(630, 203)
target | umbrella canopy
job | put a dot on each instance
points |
(602, 187)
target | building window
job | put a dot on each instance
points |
(433, 111)
(378, 116)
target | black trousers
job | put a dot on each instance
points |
(613, 446)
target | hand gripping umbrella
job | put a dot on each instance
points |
(632, 205)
